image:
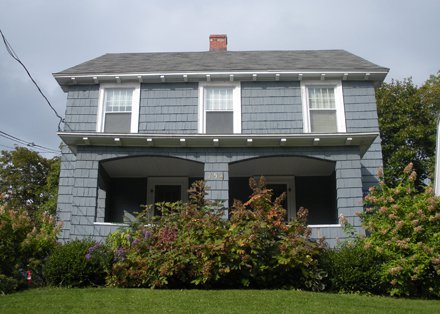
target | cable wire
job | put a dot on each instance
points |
(26, 143)
(12, 53)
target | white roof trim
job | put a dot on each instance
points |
(362, 140)
(181, 74)
(67, 80)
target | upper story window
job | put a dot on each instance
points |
(219, 108)
(323, 107)
(118, 108)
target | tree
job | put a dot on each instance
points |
(28, 181)
(408, 118)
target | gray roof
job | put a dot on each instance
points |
(224, 61)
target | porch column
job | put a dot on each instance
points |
(217, 180)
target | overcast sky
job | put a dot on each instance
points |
(52, 35)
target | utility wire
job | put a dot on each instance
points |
(12, 53)
(23, 142)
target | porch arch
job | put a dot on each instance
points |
(126, 183)
(307, 181)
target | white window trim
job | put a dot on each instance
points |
(339, 103)
(134, 126)
(153, 181)
(291, 197)
(236, 99)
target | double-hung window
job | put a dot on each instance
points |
(323, 107)
(219, 108)
(119, 109)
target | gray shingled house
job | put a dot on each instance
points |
(141, 127)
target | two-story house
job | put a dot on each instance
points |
(141, 127)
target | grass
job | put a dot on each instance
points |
(107, 300)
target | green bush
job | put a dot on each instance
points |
(191, 245)
(7, 284)
(404, 227)
(25, 243)
(78, 263)
(352, 268)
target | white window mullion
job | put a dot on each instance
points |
(134, 127)
(340, 108)
(236, 101)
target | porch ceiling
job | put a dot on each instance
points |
(281, 166)
(147, 166)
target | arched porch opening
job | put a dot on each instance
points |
(125, 184)
(307, 182)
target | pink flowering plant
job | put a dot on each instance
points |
(403, 226)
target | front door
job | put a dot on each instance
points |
(277, 190)
(167, 193)
(167, 189)
(284, 184)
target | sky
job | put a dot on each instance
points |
(52, 35)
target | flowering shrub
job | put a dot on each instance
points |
(404, 227)
(181, 248)
(25, 243)
(267, 251)
(191, 245)
(78, 263)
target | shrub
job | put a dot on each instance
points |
(267, 251)
(404, 227)
(181, 248)
(191, 245)
(7, 284)
(78, 263)
(352, 268)
(25, 243)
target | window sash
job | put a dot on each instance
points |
(219, 99)
(323, 121)
(321, 97)
(118, 100)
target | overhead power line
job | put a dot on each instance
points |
(26, 143)
(12, 53)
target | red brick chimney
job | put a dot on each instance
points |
(218, 42)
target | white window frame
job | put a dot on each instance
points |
(236, 99)
(134, 125)
(153, 181)
(291, 197)
(339, 104)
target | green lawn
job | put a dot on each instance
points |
(106, 300)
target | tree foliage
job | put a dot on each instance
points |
(408, 118)
(28, 181)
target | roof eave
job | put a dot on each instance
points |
(75, 139)
(67, 80)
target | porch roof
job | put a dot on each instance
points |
(75, 139)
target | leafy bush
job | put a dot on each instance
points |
(352, 268)
(78, 263)
(404, 227)
(266, 251)
(7, 284)
(25, 243)
(191, 245)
